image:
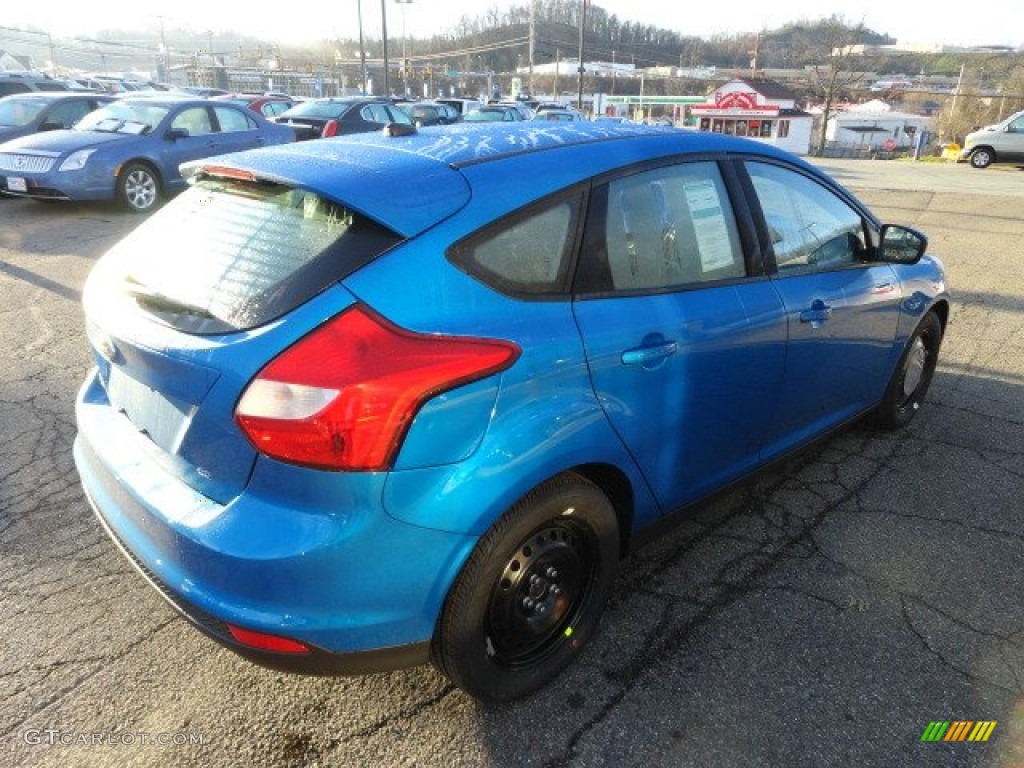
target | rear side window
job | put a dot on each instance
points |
(233, 120)
(232, 255)
(528, 253)
(659, 230)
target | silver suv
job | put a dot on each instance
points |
(999, 143)
(28, 82)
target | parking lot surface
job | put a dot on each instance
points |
(825, 613)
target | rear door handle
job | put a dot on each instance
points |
(649, 356)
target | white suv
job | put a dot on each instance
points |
(999, 143)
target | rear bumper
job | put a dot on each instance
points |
(317, 662)
(323, 565)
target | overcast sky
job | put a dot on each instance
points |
(1002, 22)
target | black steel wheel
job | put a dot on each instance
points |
(913, 375)
(531, 593)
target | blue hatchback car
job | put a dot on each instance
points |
(129, 151)
(375, 401)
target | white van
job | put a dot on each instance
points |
(463, 106)
(999, 143)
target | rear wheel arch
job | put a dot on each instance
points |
(533, 590)
(614, 484)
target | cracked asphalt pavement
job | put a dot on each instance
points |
(822, 614)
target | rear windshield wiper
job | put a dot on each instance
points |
(151, 299)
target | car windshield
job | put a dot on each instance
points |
(230, 255)
(124, 117)
(20, 111)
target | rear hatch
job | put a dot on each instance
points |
(185, 311)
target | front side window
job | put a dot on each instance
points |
(195, 120)
(810, 227)
(661, 229)
(527, 254)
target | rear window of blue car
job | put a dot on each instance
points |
(232, 255)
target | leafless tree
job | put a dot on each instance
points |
(839, 73)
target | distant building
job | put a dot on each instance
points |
(874, 125)
(759, 109)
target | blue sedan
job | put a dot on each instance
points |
(129, 151)
(374, 401)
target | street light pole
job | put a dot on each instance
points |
(384, 34)
(405, 51)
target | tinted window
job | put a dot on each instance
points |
(8, 88)
(398, 116)
(810, 227)
(69, 113)
(375, 113)
(228, 255)
(527, 254)
(661, 229)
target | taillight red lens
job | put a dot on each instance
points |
(344, 396)
(266, 642)
(330, 129)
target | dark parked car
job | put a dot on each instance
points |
(429, 113)
(28, 82)
(378, 400)
(24, 114)
(322, 118)
(129, 150)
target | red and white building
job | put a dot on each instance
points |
(763, 110)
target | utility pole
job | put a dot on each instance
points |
(53, 54)
(533, 33)
(582, 69)
(362, 46)
(554, 87)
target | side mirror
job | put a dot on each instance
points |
(48, 126)
(174, 134)
(901, 245)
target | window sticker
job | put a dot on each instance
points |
(709, 225)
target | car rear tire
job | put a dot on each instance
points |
(913, 375)
(138, 188)
(531, 593)
(982, 157)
